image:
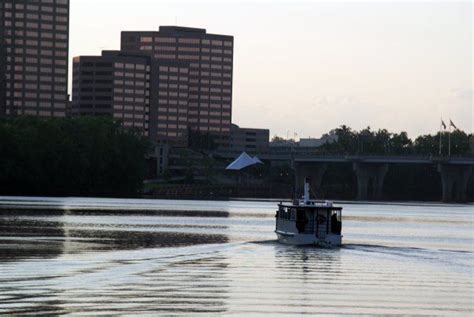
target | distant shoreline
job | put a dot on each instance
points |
(137, 205)
(359, 202)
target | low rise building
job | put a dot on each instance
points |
(248, 139)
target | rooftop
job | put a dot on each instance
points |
(182, 29)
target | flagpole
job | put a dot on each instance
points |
(440, 129)
(449, 150)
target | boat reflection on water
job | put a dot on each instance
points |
(309, 259)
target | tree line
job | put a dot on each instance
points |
(97, 156)
(403, 181)
(86, 156)
(381, 142)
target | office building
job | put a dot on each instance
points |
(210, 60)
(112, 85)
(142, 92)
(34, 37)
(249, 140)
(2, 61)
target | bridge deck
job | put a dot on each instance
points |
(380, 159)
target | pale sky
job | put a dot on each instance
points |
(306, 67)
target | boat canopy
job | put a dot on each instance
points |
(311, 207)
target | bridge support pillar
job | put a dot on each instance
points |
(367, 173)
(314, 171)
(454, 179)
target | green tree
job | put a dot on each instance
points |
(277, 138)
(82, 156)
(429, 144)
(459, 143)
(346, 142)
(400, 144)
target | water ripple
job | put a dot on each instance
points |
(176, 259)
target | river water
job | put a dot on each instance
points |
(139, 257)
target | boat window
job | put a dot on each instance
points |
(280, 211)
(283, 213)
(293, 214)
(336, 225)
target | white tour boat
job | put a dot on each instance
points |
(309, 222)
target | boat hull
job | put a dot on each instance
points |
(308, 239)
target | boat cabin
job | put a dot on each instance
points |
(309, 222)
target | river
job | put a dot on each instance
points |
(90, 256)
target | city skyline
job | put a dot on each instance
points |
(399, 66)
(165, 83)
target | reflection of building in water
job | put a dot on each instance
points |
(163, 271)
(119, 231)
(50, 234)
(29, 236)
(148, 280)
(27, 244)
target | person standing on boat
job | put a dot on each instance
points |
(301, 220)
(335, 224)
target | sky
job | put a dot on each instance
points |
(306, 67)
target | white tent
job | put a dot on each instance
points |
(257, 160)
(243, 161)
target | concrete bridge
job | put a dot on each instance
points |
(454, 172)
(372, 169)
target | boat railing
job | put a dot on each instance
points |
(316, 203)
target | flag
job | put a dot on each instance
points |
(452, 124)
(443, 124)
